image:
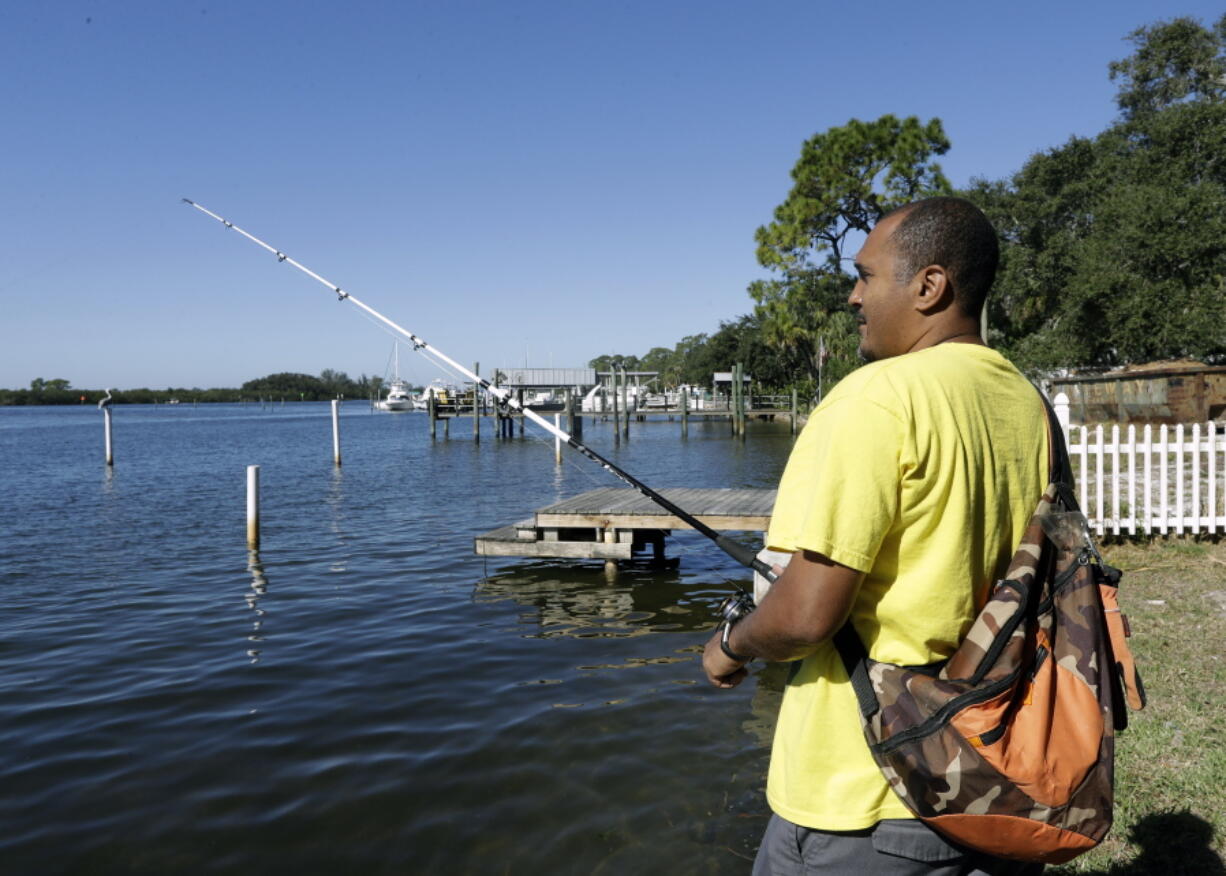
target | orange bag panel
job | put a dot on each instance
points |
(1047, 749)
(997, 834)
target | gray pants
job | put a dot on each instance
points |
(894, 847)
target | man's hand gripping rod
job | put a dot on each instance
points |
(740, 604)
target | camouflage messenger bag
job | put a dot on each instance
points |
(1008, 747)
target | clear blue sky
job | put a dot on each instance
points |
(536, 182)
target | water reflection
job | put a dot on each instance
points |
(335, 501)
(582, 602)
(578, 602)
(259, 588)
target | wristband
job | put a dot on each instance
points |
(723, 646)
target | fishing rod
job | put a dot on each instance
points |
(743, 555)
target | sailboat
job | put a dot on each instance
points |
(399, 394)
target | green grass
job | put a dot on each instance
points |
(1170, 803)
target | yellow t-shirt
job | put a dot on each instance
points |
(921, 471)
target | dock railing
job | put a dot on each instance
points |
(1148, 479)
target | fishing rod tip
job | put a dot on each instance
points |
(189, 201)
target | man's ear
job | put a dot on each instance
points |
(932, 291)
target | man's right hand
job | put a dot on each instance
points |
(722, 671)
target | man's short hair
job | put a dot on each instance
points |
(952, 233)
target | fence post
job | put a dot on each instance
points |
(1061, 404)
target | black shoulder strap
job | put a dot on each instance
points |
(1060, 466)
(852, 651)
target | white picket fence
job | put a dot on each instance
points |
(1156, 480)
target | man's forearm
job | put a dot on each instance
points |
(804, 608)
(754, 636)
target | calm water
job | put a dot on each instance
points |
(366, 695)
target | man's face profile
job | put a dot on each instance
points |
(878, 299)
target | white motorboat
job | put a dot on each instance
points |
(399, 393)
(399, 398)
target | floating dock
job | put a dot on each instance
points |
(619, 523)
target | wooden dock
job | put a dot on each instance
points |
(619, 523)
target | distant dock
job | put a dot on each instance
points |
(619, 523)
(738, 412)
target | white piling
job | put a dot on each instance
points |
(106, 420)
(557, 441)
(336, 432)
(253, 507)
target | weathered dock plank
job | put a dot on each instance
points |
(625, 508)
(506, 542)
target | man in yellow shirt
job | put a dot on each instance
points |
(902, 501)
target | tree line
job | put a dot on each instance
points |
(289, 386)
(1113, 249)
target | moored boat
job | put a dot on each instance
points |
(399, 393)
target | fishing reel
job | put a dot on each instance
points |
(735, 607)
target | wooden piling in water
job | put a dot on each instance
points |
(336, 432)
(431, 413)
(253, 507)
(476, 405)
(740, 397)
(617, 432)
(557, 441)
(625, 406)
(732, 399)
(106, 426)
(685, 412)
(574, 420)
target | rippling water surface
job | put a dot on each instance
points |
(365, 694)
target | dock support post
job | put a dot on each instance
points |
(625, 406)
(557, 442)
(574, 424)
(795, 410)
(740, 400)
(610, 565)
(732, 401)
(336, 432)
(253, 507)
(106, 427)
(617, 430)
(520, 396)
(685, 412)
(476, 405)
(746, 402)
(431, 413)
